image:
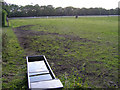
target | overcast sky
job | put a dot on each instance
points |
(108, 4)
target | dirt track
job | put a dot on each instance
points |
(23, 35)
(25, 38)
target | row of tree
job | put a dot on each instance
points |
(36, 10)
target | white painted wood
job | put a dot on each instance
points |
(40, 78)
(40, 75)
(37, 66)
(55, 83)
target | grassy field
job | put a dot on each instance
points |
(14, 65)
(82, 52)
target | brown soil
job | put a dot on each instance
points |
(23, 35)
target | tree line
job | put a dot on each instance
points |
(36, 11)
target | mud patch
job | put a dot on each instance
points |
(24, 35)
(25, 27)
(63, 51)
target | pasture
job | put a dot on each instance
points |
(82, 52)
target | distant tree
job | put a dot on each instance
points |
(36, 10)
(14, 10)
(69, 11)
(59, 11)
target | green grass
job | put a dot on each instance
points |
(82, 52)
(14, 64)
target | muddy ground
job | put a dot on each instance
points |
(23, 34)
(25, 38)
